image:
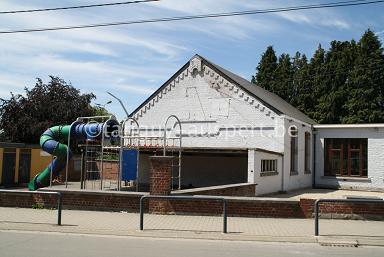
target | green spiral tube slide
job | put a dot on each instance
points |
(55, 140)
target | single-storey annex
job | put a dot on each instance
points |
(236, 132)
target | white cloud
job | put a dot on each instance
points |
(135, 89)
(315, 19)
(134, 60)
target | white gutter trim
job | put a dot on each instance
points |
(351, 126)
(299, 121)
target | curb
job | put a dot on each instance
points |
(345, 241)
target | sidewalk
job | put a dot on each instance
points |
(201, 227)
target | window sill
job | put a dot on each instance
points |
(307, 172)
(294, 173)
(350, 179)
(268, 173)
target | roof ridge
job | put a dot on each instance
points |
(266, 96)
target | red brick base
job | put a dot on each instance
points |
(252, 207)
(160, 176)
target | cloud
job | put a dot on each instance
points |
(326, 20)
(135, 60)
(13, 83)
(135, 89)
(97, 40)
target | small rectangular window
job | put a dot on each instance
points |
(268, 165)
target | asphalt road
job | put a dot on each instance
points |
(37, 244)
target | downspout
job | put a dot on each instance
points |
(282, 174)
(314, 132)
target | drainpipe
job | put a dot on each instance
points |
(282, 174)
(314, 159)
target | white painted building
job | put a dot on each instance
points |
(235, 132)
(350, 156)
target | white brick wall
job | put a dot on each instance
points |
(301, 180)
(375, 137)
(214, 113)
(217, 114)
(265, 184)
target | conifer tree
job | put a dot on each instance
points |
(344, 84)
(366, 83)
(283, 84)
(302, 84)
(332, 94)
(265, 71)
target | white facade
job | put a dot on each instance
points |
(217, 113)
(214, 113)
(375, 135)
(302, 178)
(269, 182)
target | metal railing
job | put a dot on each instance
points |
(57, 194)
(317, 207)
(193, 198)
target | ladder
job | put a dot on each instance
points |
(92, 172)
(111, 181)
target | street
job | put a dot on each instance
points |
(39, 244)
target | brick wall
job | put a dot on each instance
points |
(343, 210)
(237, 206)
(160, 183)
(78, 200)
(110, 169)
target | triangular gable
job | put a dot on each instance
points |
(219, 76)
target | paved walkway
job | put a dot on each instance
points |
(203, 227)
(311, 193)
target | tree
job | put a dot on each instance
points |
(332, 93)
(366, 83)
(344, 84)
(24, 118)
(265, 71)
(302, 96)
(283, 84)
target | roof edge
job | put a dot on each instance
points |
(160, 88)
(349, 126)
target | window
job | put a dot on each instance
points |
(346, 157)
(268, 165)
(294, 150)
(268, 168)
(307, 161)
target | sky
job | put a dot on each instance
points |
(132, 61)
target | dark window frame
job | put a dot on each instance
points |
(307, 152)
(294, 150)
(341, 150)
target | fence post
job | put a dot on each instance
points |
(317, 207)
(58, 194)
(225, 216)
(59, 208)
(142, 212)
(317, 203)
(225, 206)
